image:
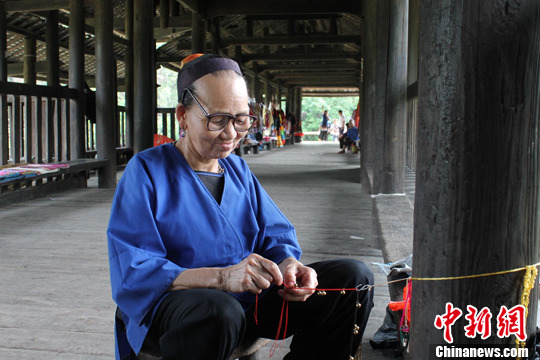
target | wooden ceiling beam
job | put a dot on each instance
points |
(302, 56)
(292, 40)
(315, 75)
(266, 17)
(326, 82)
(175, 22)
(39, 5)
(279, 7)
(308, 67)
(344, 93)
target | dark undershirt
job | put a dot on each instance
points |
(214, 183)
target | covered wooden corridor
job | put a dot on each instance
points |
(448, 90)
(56, 301)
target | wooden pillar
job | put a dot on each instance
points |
(379, 108)
(198, 34)
(278, 95)
(105, 88)
(129, 70)
(393, 172)
(476, 207)
(143, 42)
(216, 36)
(76, 78)
(4, 126)
(412, 82)
(298, 102)
(29, 65)
(53, 79)
(266, 92)
(290, 100)
(367, 99)
(29, 70)
(255, 83)
(164, 8)
(52, 51)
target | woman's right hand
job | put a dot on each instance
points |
(254, 274)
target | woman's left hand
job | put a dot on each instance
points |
(299, 280)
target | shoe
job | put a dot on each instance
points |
(341, 151)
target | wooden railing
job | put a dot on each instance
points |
(35, 124)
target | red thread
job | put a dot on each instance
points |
(285, 311)
(276, 345)
(256, 312)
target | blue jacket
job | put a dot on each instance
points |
(352, 133)
(164, 220)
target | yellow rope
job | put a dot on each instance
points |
(531, 272)
(528, 284)
(474, 276)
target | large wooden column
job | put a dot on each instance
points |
(143, 49)
(379, 106)
(76, 78)
(391, 178)
(53, 79)
(129, 70)
(105, 94)
(4, 126)
(367, 99)
(477, 179)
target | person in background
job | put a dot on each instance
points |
(334, 130)
(341, 122)
(201, 256)
(348, 138)
(323, 127)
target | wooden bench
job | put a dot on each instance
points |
(123, 154)
(244, 148)
(269, 145)
(72, 177)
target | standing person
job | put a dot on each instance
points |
(323, 128)
(334, 130)
(194, 238)
(341, 122)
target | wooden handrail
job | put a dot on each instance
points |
(20, 89)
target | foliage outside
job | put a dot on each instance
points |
(313, 107)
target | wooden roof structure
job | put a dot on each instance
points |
(314, 44)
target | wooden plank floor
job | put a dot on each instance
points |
(55, 300)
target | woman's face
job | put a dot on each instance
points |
(222, 94)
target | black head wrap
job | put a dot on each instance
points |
(194, 69)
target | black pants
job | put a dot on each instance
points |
(345, 142)
(206, 324)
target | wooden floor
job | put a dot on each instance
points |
(55, 300)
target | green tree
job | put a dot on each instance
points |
(166, 93)
(313, 107)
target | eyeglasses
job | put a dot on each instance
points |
(215, 122)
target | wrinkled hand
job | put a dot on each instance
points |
(253, 274)
(295, 276)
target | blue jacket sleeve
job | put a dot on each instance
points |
(140, 274)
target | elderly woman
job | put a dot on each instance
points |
(194, 238)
